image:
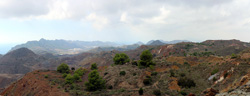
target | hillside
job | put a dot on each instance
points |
(167, 42)
(18, 61)
(62, 46)
(1, 55)
(164, 76)
(196, 61)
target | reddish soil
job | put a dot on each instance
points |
(35, 84)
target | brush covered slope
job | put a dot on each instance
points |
(209, 68)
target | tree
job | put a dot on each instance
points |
(76, 77)
(146, 56)
(69, 79)
(94, 66)
(80, 71)
(95, 82)
(146, 59)
(63, 68)
(121, 59)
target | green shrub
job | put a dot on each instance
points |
(140, 91)
(157, 92)
(214, 71)
(154, 73)
(110, 87)
(134, 63)
(80, 71)
(64, 75)
(147, 80)
(121, 59)
(94, 66)
(172, 74)
(233, 56)
(134, 74)
(183, 93)
(186, 83)
(76, 77)
(151, 67)
(122, 73)
(95, 82)
(182, 74)
(146, 59)
(63, 68)
(46, 76)
(69, 79)
(73, 68)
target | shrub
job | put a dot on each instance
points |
(233, 56)
(172, 73)
(151, 67)
(80, 71)
(225, 75)
(182, 74)
(187, 83)
(110, 87)
(183, 93)
(134, 63)
(214, 71)
(121, 59)
(64, 75)
(134, 74)
(154, 73)
(122, 73)
(46, 76)
(95, 82)
(157, 92)
(93, 66)
(76, 77)
(146, 59)
(140, 91)
(63, 68)
(214, 79)
(72, 68)
(185, 63)
(147, 80)
(69, 79)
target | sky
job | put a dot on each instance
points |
(123, 21)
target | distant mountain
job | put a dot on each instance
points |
(157, 42)
(18, 61)
(62, 46)
(140, 43)
(1, 55)
(166, 42)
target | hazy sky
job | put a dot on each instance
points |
(124, 20)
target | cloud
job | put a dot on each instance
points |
(155, 19)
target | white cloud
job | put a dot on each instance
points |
(144, 19)
(98, 22)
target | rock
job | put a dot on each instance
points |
(210, 92)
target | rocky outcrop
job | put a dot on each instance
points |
(210, 92)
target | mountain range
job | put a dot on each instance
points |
(162, 42)
(196, 62)
(63, 46)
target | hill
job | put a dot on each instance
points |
(1, 55)
(62, 46)
(206, 63)
(18, 61)
(167, 42)
(165, 78)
